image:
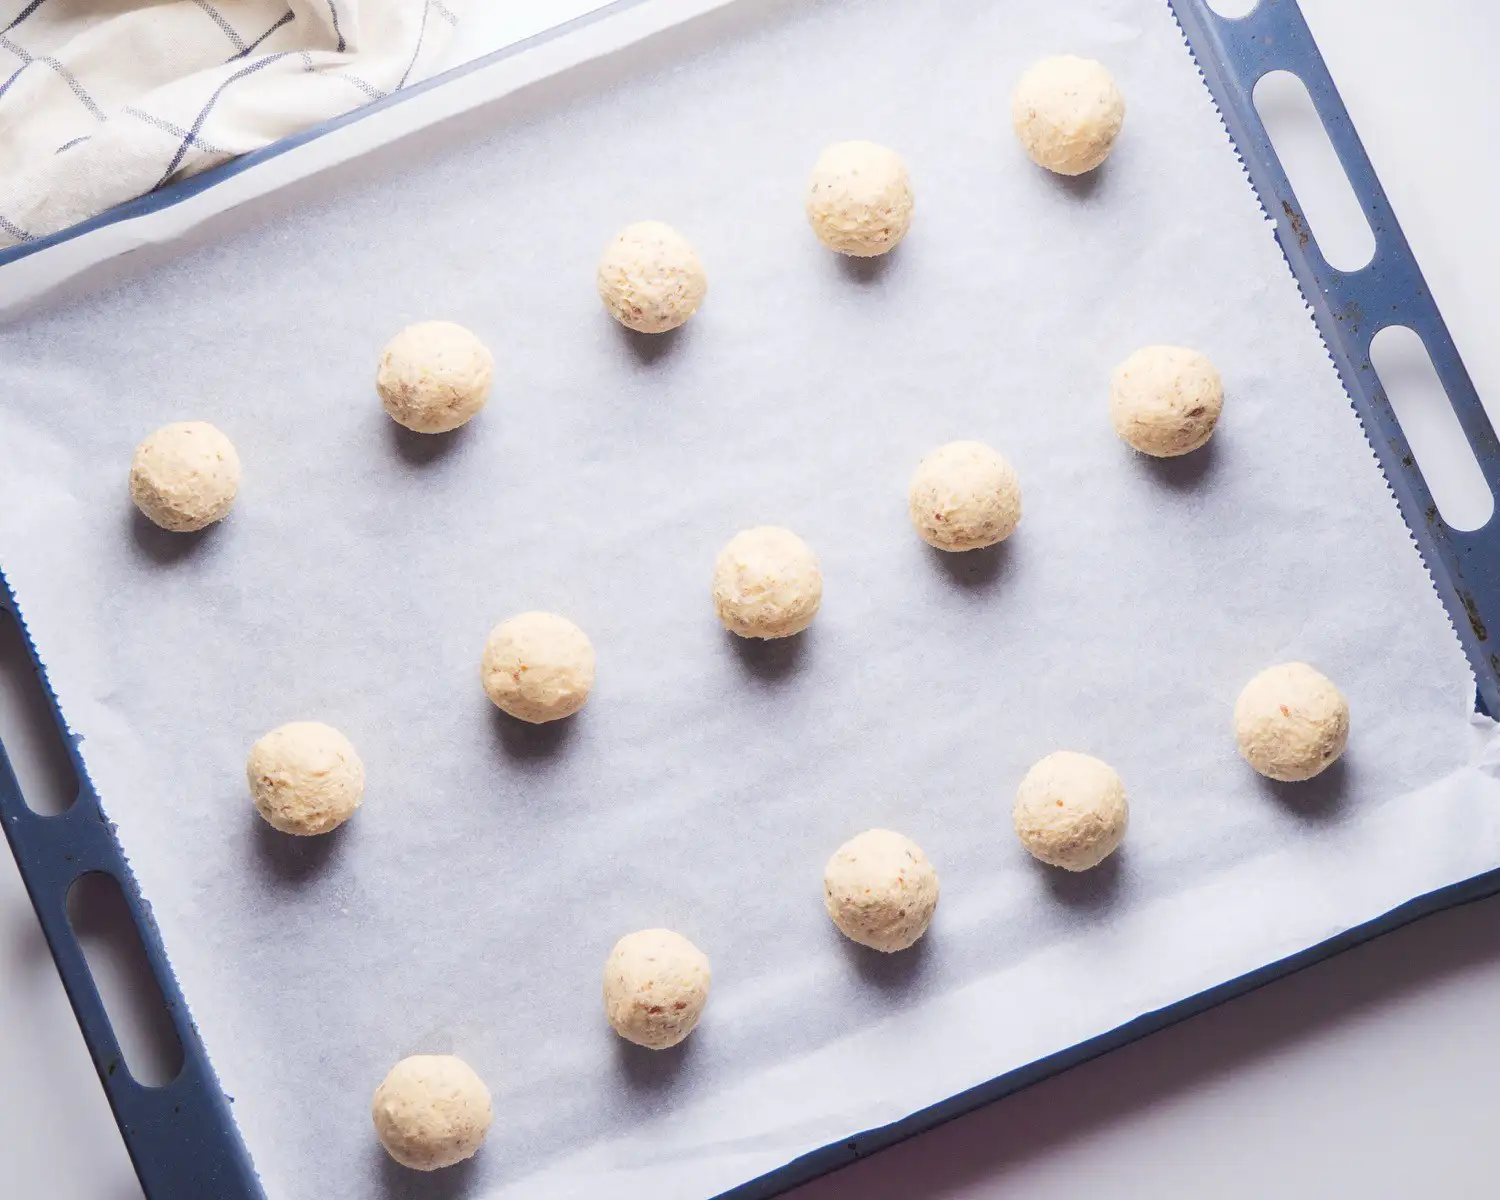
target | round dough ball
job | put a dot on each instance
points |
(859, 200)
(538, 667)
(1071, 810)
(1067, 112)
(655, 987)
(767, 583)
(1291, 722)
(964, 496)
(305, 778)
(185, 476)
(434, 376)
(431, 1111)
(880, 890)
(1165, 400)
(650, 278)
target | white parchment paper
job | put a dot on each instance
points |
(470, 904)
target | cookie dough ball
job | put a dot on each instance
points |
(434, 376)
(655, 987)
(1071, 810)
(1165, 400)
(431, 1111)
(880, 890)
(859, 200)
(538, 667)
(964, 496)
(305, 778)
(650, 278)
(1067, 112)
(1291, 722)
(184, 476)
(767, 583)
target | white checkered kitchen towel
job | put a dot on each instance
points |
(105, 100)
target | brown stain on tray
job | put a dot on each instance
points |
(1475, 622)
(1299, 226)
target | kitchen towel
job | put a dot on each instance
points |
(103, 100)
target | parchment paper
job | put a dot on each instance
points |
(470, 904)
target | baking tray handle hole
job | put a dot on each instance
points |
(33, 742)
(122, 975)
(1331, 212)
(1233, 8)
(1444, 457)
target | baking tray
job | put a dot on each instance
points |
(182, 1137)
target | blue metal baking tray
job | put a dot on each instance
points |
(182, 1137)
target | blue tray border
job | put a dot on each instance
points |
(181, 1136)
(1351, 307)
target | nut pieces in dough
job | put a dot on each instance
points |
(859, 199)
(964, 496)
(1067, 112)
(880, 890)
(1291, 722)
(650, 278)
(431, 1111)
(1071, 810)
(655, 987)
(538, 667)
(767, 583)
(434, 376)
(1165, 400)
(305, 778)
(184, 477)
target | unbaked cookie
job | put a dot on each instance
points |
(1291, 722)
(538, 667)
(1165, 400)
(650, 278)
(859, 200)
(1071, 810)
(434, 376)
(655, 987)
(880, 890)
(767, 583)
(305, 778)
(431, 1111)
(1067, 112)
(964, 496)
(185, 476)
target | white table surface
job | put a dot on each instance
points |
(1373, 1075)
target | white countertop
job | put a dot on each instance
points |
(1370, 1075)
